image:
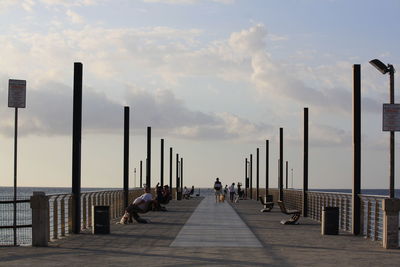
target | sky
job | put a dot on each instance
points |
(214, 78)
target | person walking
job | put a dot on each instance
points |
(232, 192)
(217, 189)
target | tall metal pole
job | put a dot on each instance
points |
(305, 165)
(170, 168)
(15, 176)
(141, 174)
(281, 164)
(266, 167)
(181, 172)
(76, 149)
(148, 165)
(162, 163)
(287, 175)
(177, 174)
(392, 138)
(251, 176)
(257, 173)
(356, 222)
(126, 156)
(245, 176)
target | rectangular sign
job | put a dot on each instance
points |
(16, 93)
(391, 117)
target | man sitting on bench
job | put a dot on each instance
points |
(295, 214)
(142, 204)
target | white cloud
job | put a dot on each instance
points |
(74, 17)
(186, 2)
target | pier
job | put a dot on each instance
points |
(238, 235)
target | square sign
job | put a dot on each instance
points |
(391, 117)
(16, 93)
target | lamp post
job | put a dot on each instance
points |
(381, 67)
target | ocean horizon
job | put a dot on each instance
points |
(22, 191)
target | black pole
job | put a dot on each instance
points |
(141, 174)
(246, 183)
(305, 165)
(356, 222)
(126, 156)
(76, 148)
(177, 173)
(148, 165)
(170, 168)
(287, 174)
(251, 176)
(162, 163)
(181, 172)
(281, 164)
(258, 173)
(15, 176)
(392, 137)
(266, 167)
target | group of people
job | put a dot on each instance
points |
(220, 194)
(146, 202)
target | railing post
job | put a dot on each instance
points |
(55, 218)
(391, 208)
(40, 219)
(62, 214)
(84, 213)
(70, 215)
(89, 220)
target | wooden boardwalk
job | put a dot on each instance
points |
(150, 244)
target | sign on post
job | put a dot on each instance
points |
(391, 117)
(16, 93)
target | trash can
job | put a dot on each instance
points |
(101, 220)
(330, 221)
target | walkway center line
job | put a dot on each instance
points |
(215, 225)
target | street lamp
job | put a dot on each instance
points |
(381, 67)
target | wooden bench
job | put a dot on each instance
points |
(295, 214)
(267, 205)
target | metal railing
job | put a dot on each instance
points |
(20, 233)
(371, 209)
(60, 209)
(60, 214)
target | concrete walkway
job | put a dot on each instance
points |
(215, 225)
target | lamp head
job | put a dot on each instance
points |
(379, 65)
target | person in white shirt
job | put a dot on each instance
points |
(141, 204)
(232, 192)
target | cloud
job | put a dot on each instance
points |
(186, 2)
(49, 113)
(74, 17)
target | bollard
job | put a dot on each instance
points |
(40, 219)
(391, 208)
